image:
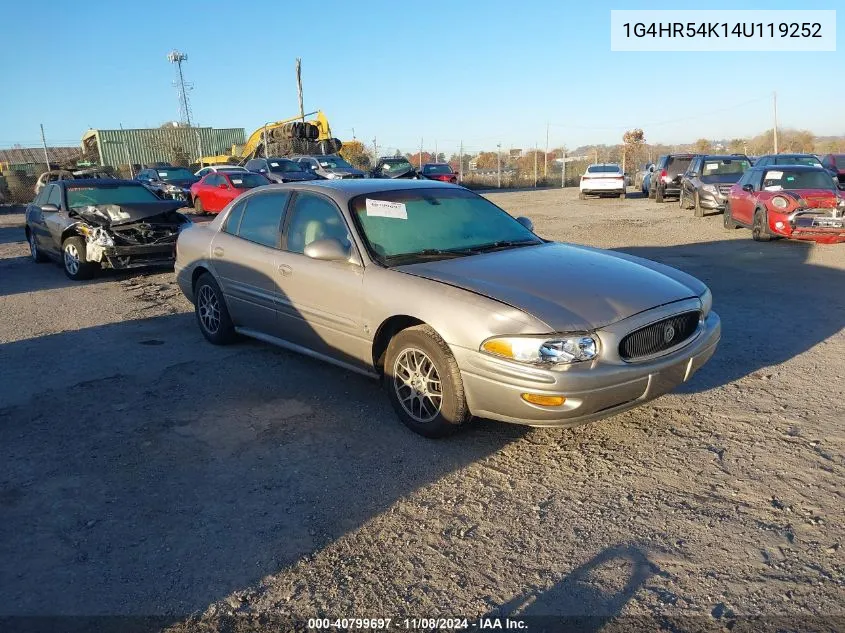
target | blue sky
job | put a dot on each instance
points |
(481, 72)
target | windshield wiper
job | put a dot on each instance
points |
(430, 253)
(502, 244)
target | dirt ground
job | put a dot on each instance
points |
(144, 471)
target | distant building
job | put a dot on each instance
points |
(30, 160)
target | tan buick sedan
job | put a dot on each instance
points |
(460, 308)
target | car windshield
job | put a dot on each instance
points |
(723, 167)
(778, 180)
(247, 181)
(437, 169)
(396, 164)
(812, 161)
(176, 173)
(118, 194)
(402, 226)
(604, 169)
(334, 162)
(284, 166)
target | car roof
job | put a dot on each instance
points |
(791, 168)
(789, 154)
(108, 182)
(723, 156)
(346, 189)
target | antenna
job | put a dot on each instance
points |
(175, 57)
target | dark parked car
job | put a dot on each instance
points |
(835, 164)
(439, 171)
(168, 182)
(788, 159)
(393, 167)
(666, 179)
(102, 223)
(330, 166)
(708, 180)
(280, 170)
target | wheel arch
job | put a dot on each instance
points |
(198, 271)
(389, 328)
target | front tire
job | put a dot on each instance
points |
(198, 208)
(759, 232)
(699, 210)
(424, 384)
(211, 312)
(73, 259)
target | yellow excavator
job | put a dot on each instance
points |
(296, 129)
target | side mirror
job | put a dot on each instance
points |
(329, 250)
(262, 171)
(222, 185)
(748, 188)
(526, 222)
(49, 208)
(315, 167)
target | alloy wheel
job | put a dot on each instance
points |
(71, 258)
(417, 385)
(208, 309)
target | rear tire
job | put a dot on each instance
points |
(211, 311)
(424, 384)
(73, 259)
(759, 231)
(37, 256)
(682, 201)
(658, 195)
(581, 195)
(651, 193)
(622, 195)
(198, 209)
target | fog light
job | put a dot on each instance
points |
(544, 401)
(779, 225)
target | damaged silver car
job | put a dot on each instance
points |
(89, 225)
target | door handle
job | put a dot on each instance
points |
(218, 252)
(285, 270)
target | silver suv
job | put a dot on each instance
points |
(330, 166)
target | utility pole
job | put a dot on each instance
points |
(199, 148)
(44, 143)
(353, 133)
(535, 165)
(775, 102)
(266, 143)
(461, 163)
(375, 153)
(563, 169)
(299, 87)
(420, 156)
(546, 155)
(499, 165)
(436, 152)
(128, 156)
(597, 155)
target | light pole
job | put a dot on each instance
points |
(498, 165)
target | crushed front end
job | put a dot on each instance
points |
(812, 217)
(121, 238)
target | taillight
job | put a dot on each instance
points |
(664, 173)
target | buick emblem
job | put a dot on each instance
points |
(668, 333)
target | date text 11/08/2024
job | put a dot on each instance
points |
(723, 29)
(413, 624)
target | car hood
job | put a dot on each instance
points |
(117, 214)
(814, 198)
(344, 171)
(568, 287)
(293, 176)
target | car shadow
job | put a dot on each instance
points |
(158, 473)
(586, 599)
(799, 299)
(12, 234)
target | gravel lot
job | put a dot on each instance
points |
(144, 471)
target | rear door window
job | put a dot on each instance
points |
(262, 218)
(678, 165)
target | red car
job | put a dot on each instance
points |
(439, 171)
(217, 189)
(796, 201)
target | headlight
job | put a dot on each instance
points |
(571, 348)
(706, 302)
(709, 189)
(780, 202)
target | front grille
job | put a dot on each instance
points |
(658, 337)
(724, 189)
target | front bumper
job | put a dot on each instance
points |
(126, 257)
(183, 195)
(809, 224)
(493, 386)
(712, 201)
